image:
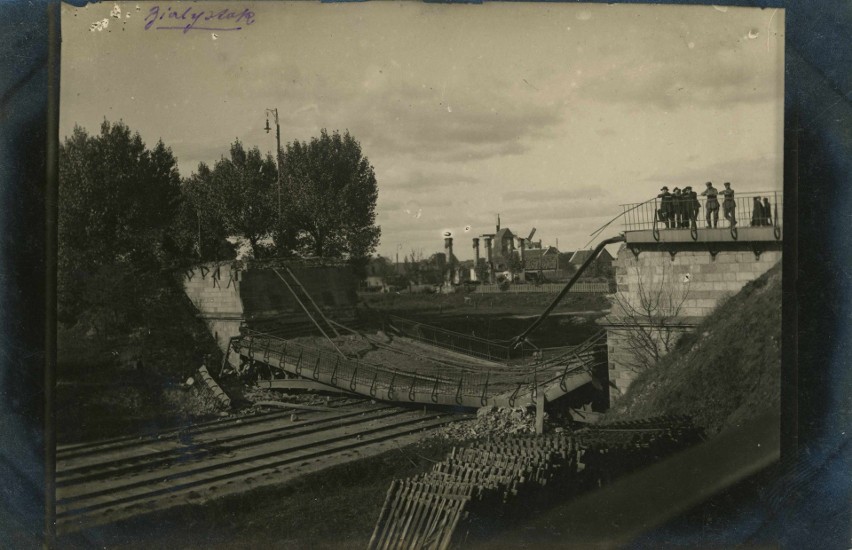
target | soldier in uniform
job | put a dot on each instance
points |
(691, 206)
(677, 202)
(767, 211)
(758, 217)
(712, 204)
(666, 211)
(729, 205)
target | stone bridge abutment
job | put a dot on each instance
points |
(668, 281)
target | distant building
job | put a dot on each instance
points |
(503, 248)
(542, 264)
(507, 255)
(382, 274)
(601, 267)
(376, 274)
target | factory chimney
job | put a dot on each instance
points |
(475, 254)
(448, 251)
(488, 258)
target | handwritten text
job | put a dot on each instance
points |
(196, 19)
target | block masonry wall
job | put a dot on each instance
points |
(695, 280)
(227, 297)
(214, 290)
(621, 361)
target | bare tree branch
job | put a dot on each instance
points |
(650, 312)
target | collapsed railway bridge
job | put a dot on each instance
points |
(433, 370)
(468, 372)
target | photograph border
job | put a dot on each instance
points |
(816, 380)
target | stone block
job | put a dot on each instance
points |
(702, 258)
(698, 286)
(744, 276)
(714, 277)
(702, 294)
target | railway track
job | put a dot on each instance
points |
(108, 481)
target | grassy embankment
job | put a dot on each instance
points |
(100, 393)
(725, 372)
(503, 303)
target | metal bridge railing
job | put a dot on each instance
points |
(650, 214)
(463, 388)
(315, 363)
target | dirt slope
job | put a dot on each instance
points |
(725, 372)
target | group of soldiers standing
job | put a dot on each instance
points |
(679, 208)
(761, 212)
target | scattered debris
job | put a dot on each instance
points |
(214, 387)
(491, 421)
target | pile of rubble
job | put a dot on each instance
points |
(492, 421)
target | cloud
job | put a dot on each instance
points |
(670, 86)
(568, 193)
(697, 64)
(565, 213)
(416, 121)
(755, 174)
(418, 180)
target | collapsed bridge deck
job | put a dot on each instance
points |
(428, 375)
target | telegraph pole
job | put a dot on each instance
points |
(274, 113)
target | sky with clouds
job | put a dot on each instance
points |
(551, 114)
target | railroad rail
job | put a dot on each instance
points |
(107, 481)
(498, 386)
(500, 477)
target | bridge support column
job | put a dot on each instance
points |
(691, 278)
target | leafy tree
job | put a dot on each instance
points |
(331, 196)
(200, 222)
(238, 196)
(382, 266)
(117, 198)
(117, 201)
(481, 270)
(514, 264)
(433, 269)
(413, 266)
